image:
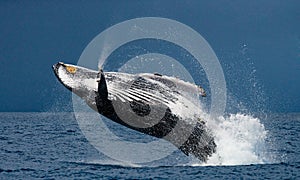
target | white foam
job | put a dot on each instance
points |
(240, 140)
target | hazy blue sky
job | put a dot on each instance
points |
(255, 41)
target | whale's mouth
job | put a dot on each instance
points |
(62, 74)
(76, 78)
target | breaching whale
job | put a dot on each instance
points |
(153, 104)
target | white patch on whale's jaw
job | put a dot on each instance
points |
(77, 81)
(66, 78)
(81, 81)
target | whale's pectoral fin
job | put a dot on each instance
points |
(104, 105)
(102, 87)
(200, 143)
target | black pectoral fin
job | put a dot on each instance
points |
(104, 106)
(102, 87)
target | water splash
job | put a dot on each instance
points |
(240, 140)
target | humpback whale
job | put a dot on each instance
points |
(154, 104)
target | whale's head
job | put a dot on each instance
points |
(79, 80)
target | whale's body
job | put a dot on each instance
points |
(160, 106)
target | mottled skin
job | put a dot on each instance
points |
(198, 141)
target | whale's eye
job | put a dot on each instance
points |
(71, 69)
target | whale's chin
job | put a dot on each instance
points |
(76, 78)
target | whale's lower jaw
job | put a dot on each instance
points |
(55, 69)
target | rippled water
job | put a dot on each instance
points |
(51, 145)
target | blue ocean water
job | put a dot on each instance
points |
(51, 145)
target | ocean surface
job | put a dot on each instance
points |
(52, 146)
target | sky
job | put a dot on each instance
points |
(257, 43)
